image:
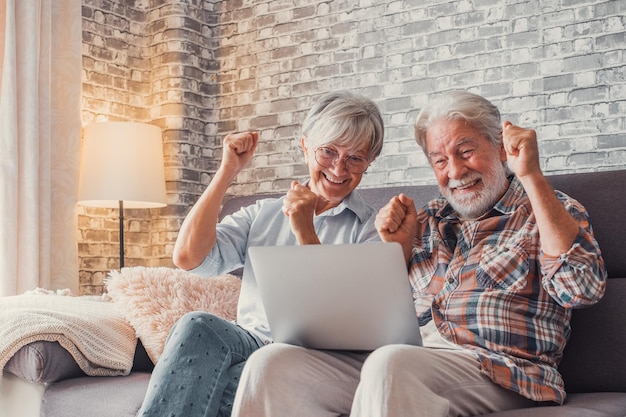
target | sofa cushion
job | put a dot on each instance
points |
(601, 404)
(43, 362)
(119, 396)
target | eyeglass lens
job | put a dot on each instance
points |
(328, 158)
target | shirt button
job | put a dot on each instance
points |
(450, 280)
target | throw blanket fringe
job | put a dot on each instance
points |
(99, 338)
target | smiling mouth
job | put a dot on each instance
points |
(465, 186)
(332, 180)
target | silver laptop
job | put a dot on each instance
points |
(348, 297)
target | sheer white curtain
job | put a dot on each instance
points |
(40, 93)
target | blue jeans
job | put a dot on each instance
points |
(199, 370)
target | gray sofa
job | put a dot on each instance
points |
(594, 363)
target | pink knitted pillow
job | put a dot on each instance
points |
(153, 298)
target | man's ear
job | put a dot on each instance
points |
(502, 151)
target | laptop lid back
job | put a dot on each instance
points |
(350, 296)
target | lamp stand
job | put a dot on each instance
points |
(121, 208)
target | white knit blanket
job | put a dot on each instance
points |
(99, 338)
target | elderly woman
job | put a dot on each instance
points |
(198, 373)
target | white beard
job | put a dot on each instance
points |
(479, 202)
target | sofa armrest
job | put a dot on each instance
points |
(43, 362)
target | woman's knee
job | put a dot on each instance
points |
(199, 322)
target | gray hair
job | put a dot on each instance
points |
(460, 105)
(345, 119)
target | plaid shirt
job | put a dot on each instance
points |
(489, 288)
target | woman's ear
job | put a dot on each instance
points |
(305, 150)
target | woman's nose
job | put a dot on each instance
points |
(339, 166)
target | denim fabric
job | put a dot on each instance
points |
(199, 370)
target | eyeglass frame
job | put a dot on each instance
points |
(335, 160)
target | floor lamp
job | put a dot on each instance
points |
(122, 167)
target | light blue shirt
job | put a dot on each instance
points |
(264, 224)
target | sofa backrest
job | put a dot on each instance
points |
(602, 194)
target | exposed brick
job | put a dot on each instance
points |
(612, 141)
(582, 95)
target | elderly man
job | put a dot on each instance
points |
(496, 265)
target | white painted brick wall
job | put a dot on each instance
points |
(554, 66)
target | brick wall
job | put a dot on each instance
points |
(150, 62)
(201, 69)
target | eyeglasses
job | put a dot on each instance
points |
(328, 158)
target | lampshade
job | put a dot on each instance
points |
(122, 161)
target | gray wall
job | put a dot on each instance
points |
(555, 66)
